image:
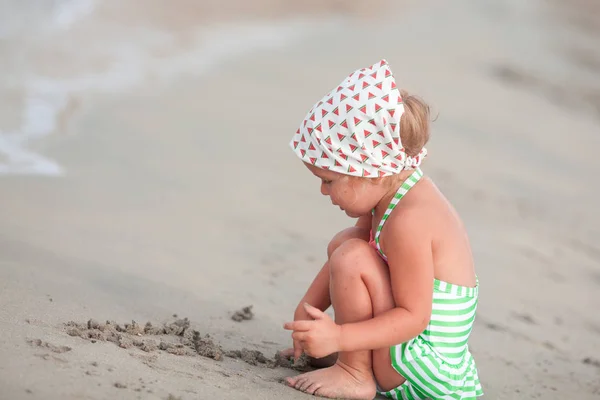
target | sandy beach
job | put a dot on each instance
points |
(144, 177)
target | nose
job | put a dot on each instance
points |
(324, 189)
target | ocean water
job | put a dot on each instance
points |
(22, 24)
(56, 53)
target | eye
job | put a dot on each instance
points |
(325, 181)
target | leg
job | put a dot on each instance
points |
(359, 287)
(341, 237)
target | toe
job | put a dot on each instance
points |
(300, 382)
(294, 381)
(313, 388)
(305, 385)
(316, 393)
(291, 381)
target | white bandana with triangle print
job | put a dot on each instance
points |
(355, 128)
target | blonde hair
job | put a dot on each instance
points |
(414, 123)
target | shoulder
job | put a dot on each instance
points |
(417, 212)
(407, 221)
(408, 227)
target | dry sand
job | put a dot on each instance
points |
(151, 178)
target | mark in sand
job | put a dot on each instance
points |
(243, 314)
(49, 346)
(591, 361)
(524, 317)
(176, 337)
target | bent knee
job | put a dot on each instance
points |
(352, 256)
(345, 235)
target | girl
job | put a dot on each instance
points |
(401, 281)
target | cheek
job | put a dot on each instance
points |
(345, 195)
(336, 194)
(352, 196)
(361, 197)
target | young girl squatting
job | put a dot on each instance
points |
(401, 280)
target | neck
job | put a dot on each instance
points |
(382, 205)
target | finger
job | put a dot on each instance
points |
(299, 336)
(314, 312)
(287, 353)
(298, 326)
(297, 352)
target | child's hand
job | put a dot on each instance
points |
(318, 338)
(299, 315)
(293, 352)
(296, 351)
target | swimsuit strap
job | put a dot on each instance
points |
(402, 190)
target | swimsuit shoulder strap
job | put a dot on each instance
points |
(402, 190)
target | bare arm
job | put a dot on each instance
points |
(317, 294)
(410, 261)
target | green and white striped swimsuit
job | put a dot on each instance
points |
(437, 363)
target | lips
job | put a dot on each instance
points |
(337, 205)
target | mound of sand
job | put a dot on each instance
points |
(174, 337)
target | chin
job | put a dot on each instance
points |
(352, 214)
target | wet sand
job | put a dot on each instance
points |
(137, 184)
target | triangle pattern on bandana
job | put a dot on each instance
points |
(338, 133)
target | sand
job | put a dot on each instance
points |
(174, 337)
(143, 174)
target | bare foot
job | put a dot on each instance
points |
(338, 381)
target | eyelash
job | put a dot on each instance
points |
(326, 182)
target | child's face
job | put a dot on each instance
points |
(353, 196)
